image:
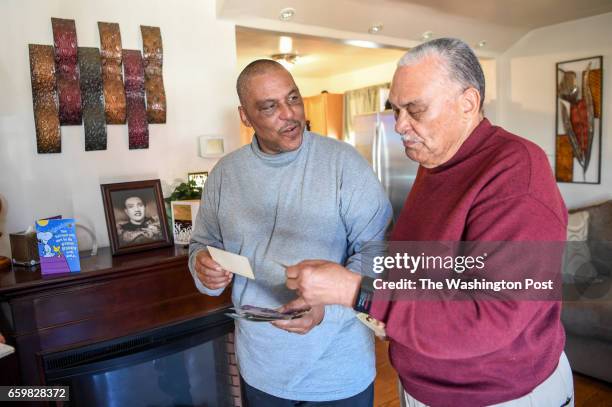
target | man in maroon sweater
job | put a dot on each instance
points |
(476, 182)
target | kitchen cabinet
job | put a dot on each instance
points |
(324, 112)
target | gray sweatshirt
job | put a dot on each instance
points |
(321, 201)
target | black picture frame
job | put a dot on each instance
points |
(135, 216)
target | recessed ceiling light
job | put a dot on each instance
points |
(427, 35)
(375, 28)
(482, 43)
(286, 14)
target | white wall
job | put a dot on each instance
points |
(526, 80)
(490, 106)
(361, 78)
(199, 74)
(310, 86)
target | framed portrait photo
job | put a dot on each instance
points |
(135, 216)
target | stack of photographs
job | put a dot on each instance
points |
(259, 314)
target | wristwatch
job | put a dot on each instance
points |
(363, 302)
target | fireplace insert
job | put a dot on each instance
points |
(190, 363)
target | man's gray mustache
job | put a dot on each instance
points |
(290, 125)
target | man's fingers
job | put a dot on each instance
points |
(211, 271)
(296, 305)
(209, 263)
(215, 280)
(292, 272)
(297, 269)
(208, 273)
(297, 326)
(203, 258)
(292, 284)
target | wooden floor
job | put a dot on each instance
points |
(589, 392)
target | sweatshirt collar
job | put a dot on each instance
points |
(280, 159)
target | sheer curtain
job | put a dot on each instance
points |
(363, 100)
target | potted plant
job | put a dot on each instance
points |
(184, 203)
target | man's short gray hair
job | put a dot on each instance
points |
(461, 62)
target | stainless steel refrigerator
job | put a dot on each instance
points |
(377, 141)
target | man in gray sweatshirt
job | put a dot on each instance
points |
(290, 195)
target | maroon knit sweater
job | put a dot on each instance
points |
(497, 187)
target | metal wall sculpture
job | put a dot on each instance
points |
(138, 128)
(93, 99)
(578, 126)
(71, 85)
(46, 118)
(66, 64)
(154, 82)
(114, 93)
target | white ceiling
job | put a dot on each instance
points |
(499, 22)
(319, 57)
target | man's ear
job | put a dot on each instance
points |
(243, 117)
(470, 101)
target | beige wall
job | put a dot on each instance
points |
(199, 74)
(526, 78)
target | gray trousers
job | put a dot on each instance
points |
(552, 392)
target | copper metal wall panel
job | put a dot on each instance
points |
(114, 93)
(44, 98)
(93, 98)
(66, 64)
(154, 81)
(138, 128)
(564, 164)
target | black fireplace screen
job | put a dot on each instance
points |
(185, 364)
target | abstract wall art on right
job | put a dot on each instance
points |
(578, 120)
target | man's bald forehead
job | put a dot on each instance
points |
(258, 67)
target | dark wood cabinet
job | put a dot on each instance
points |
(110, 298)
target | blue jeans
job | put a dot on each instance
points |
(257, 398)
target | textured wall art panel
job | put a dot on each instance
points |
(154, 82)
(114, 92)
(66, 64)
(579, 120)
(93, 98)
(44, 98)
(138, 128)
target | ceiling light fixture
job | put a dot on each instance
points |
(427, 35)
(287, 60)
(375, 28)
(362, 43)
(285, 44)
(287, 14)
(482, 44)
